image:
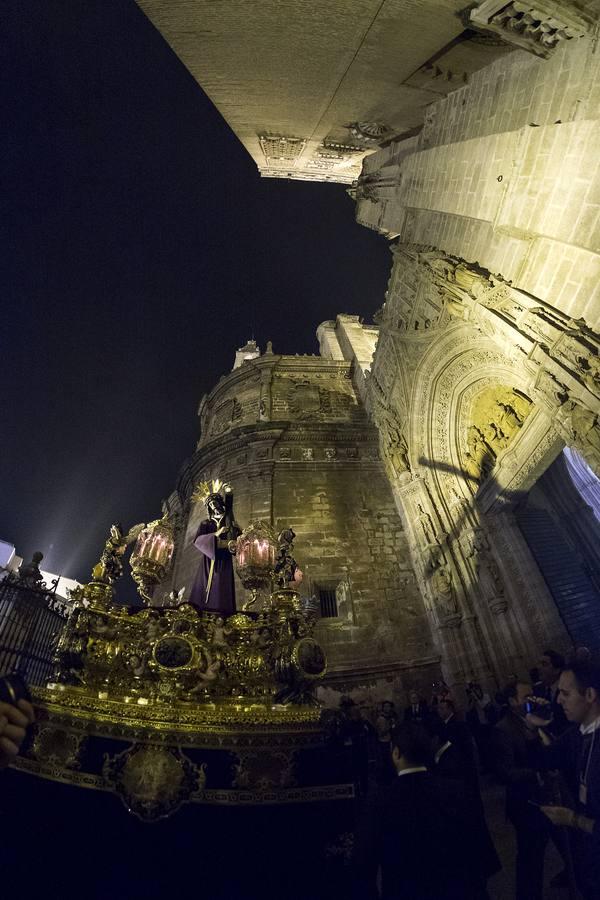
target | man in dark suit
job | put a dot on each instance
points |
(515, 753)
(419, 833)
(461, 738)
(576, 754)
(417, 711)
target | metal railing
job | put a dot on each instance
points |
(31, 621)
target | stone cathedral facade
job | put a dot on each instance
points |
(292, 437)
(438, 466)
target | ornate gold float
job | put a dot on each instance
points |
(170, 705)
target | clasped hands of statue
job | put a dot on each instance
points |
(229, 545)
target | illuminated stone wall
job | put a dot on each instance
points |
(480, 161)
(505, 174)
(488, 360)
(291, 436)
(475, 388)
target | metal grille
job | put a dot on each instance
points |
(30, 623)
(280, 151)
(328, 602)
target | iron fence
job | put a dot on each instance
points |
(31, 621)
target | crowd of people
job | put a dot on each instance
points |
(423, 832)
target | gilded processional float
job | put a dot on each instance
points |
(178, 704)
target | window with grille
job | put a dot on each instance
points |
(327, 601)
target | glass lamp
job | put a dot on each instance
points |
(152, 555)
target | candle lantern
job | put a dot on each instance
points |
(255, 554)
(152, 555)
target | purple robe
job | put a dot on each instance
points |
(221, 596)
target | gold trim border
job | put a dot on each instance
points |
(215, 797)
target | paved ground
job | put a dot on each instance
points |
(501, 886)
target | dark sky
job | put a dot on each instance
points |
(139, 249)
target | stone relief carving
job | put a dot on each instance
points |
(426, 528)
(479, 456)
(303, 399)
(487, 571)
(343, 597)
(369, 132)
(580, 428)
(589, 369)
(222, 417)
(497, 415)
(442, 586)
(395, 447)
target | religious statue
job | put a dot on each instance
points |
(110, 568)
(590, 372)
(586, 428)
(490, 580)
(30, 574)
(480, 456)
(398, 450)
(214, 587)
(343, 597)
(442, 585)
(426, 525)
(495, 436)
(511, 417)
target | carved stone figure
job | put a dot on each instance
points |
(343, 597)
(495, 437)
(29, 574)
(426, 525)
(490, 580)
(398, 453)
(442, 585)
(586, 429)
(457, 308)
(481, 457)
(590, 373)
(511, 419)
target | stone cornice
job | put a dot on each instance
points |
(373, 668)
(276, 364)
(290, 432)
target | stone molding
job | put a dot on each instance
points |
(540, 27)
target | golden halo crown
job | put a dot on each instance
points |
(206, 489)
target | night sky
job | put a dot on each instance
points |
(140, 249)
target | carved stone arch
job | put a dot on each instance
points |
(458, 367)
